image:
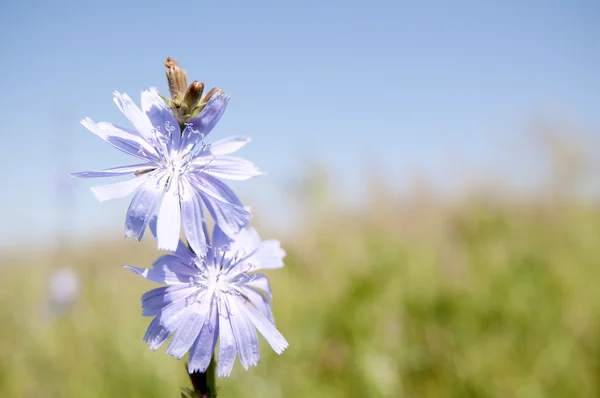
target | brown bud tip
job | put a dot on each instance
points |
(170, 62)
(193, 94)
(212, 92)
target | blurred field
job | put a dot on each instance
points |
(487, 296)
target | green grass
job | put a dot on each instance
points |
(403, 300)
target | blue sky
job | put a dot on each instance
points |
(359, 86)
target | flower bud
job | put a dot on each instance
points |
(205, 100)
(176, 77)
(193, 94)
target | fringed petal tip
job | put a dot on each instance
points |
(143, 272)
(153, 343)
(196, 369)
(224, 373)
(129, 234)
(86, 121)
(167, 245)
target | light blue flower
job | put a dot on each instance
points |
(177, 167)
(214, 295)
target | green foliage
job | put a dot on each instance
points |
(469, 301)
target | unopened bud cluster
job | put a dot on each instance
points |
(186, 101)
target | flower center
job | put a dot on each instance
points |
(219, 281)
(176, 165)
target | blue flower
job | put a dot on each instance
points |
(212, 296)
(177, 167)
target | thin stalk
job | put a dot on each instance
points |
(204, 384)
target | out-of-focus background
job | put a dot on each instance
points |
(433, 175)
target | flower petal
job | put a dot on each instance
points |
(244, 332)
(220, 239)
(118, 189)
(227, 350)
(143, 206)
(140, 121)
(223, 204)
(243, 245)
(269, 255)
(164, 325)
(231, 218)
(167, 269)
(229, 167)
(245, 242)
(190, 328)
(183, 251)
(115, 171)
(258, 281)
(277, 342)
(258, 300)
(228, 145)
(155, 300)
(210, 115)
(122, 139)
(169, 217)
(194, 225)
(161, 118)
(204, 346)
(175, 264)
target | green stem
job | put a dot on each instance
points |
(205, 385)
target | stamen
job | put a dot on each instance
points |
(169, 127)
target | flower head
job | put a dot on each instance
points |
(177, 166)
(212, 296)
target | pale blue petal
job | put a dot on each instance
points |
(229, 217)
(160, 275)
(161, 118)
(169, 217)
(143, 206)
(190, 138)
(227, 146)
(210, 115)
(154, 301)
(167, 269)
(190, 328)
(194, 225)
(227, 350)
(182, 251)
(220, 239)
(258, 281)
(122, 139)
(204, 346)
(265, 327)
(269, 255)
(115, 171)
(118, 190)
(256, 254)
(228, 167)
(223, 205)
(259, 300)
(164, 325)
(244, 332)
(241, 246)
(174, 263)
(245, 242)
(135, 115)
(216, 189)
